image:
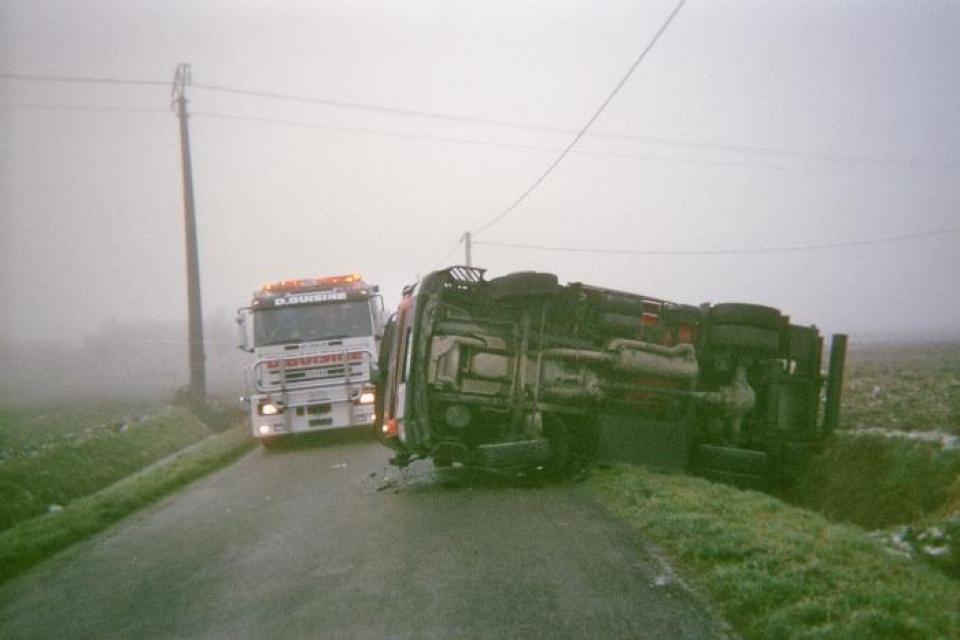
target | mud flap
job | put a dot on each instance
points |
(659, 445)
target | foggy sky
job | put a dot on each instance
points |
(767, 124)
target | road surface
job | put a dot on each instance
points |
(312, 542)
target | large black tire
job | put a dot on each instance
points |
(573, 444)
(677, 313)
(560, 457)
(745, 337)
(619, 303)
(751, 315)
(523, 283)
(619, 324)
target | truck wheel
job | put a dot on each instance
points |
(586, 442)
(619, 324)
(573, 444)
(523, 283)
(751, 315)
(556, 431)
(745, 337)
(677, 313)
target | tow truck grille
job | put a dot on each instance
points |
(305, 376)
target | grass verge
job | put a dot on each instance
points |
(777, 571)
(59, 460)
(33, 540)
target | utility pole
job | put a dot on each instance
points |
(198, 374)
(467, 247)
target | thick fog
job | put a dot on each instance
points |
(799, 154)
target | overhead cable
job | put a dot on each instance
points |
(80, 107)
(525, 126)
(938, 168)
(543, 176)
(717, 252)
(945, 170)
(82, 79)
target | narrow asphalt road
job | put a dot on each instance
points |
(311, 542)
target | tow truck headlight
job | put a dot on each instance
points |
(269, 409)
(367, 397)
(264, 429)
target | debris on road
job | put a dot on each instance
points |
(388, 483)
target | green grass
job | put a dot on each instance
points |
(878, 482)
(33, 540)
(26, 431)
(51, 459)
(777, 571)
(905, 387)
(909, 487)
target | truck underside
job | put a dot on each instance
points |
(520, 371)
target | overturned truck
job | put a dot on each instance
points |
(520, 371)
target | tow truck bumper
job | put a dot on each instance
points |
(309, 411)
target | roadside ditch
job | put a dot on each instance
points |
(902, 486)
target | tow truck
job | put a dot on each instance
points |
(315, 343)
(521, 371)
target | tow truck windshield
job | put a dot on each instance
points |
(311, 322)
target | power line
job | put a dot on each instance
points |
(397, 111)
(432, 115)
(451, 251)
(536, 183)
(533, 147)
(83, 80)
(935, 168)
(80, 107)
(443, 259)
(526, 126)
(766, 151)
(716, 252)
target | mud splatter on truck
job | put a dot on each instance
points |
(522, 371)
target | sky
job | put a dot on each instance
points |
(816, 129)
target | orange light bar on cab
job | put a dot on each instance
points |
(304, 283)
